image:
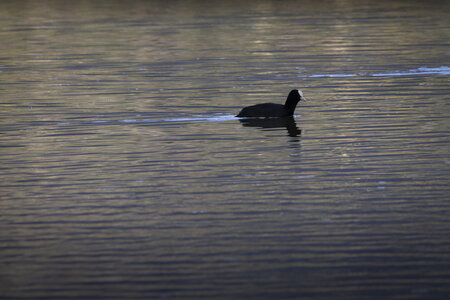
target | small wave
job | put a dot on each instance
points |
(128, 121)
(203, 119)
(306, 176)
(219, 118)
(418, 71)
(333, 75)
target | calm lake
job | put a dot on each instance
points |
(125, 175)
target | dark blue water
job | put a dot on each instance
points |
(125, 175)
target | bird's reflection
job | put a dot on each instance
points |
(287, 122)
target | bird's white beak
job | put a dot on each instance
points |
(301, 96)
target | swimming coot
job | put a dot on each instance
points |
(272, 110)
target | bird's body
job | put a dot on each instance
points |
(273, 110)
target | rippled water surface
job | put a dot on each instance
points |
(125, 175)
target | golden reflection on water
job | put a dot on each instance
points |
(124, 175)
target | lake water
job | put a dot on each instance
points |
(125, 175)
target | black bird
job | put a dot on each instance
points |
(272, 110)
